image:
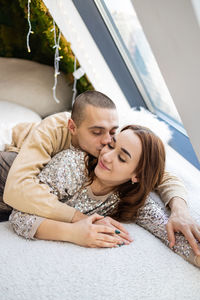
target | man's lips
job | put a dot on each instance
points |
(101, 164)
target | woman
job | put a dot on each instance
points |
(128, 168)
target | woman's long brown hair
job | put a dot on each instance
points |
(150, 171)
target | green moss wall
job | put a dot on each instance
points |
(13, 32)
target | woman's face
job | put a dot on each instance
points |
(118, 160)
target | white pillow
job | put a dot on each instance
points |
(29, 83)
(10, 115)
(145, 118)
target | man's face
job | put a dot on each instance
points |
(96, 130)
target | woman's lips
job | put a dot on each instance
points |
(102, 165)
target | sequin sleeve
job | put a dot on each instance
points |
(65, 173)
(154, 219)
(24, 224)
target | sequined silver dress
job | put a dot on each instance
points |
(65, 175)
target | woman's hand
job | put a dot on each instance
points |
(85, 233)
(116, 226)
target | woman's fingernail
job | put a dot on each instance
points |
(121, 244)
(117, 231)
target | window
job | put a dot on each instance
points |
(124, 26)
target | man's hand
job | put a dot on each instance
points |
(78, 216)
(124, 235)
(181, 221)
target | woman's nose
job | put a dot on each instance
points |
(107, 156)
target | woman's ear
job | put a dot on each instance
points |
(134, 179)
(72, 126)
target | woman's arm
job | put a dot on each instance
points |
(154, 219)
(173, 193)
(83, 232)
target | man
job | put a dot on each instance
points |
(92, 124)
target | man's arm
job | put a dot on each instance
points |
(173, 193)
(181, 221)
(23, 190)
(171, 187)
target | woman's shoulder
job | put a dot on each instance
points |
(69, 156)
(65, 172)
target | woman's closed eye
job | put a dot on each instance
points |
(121, 159)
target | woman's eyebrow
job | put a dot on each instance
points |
(124, 150)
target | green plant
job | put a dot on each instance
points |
(13, 32)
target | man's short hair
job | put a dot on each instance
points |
(93, 98)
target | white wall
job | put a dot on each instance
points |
(172, 29)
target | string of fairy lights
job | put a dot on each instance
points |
(78, 73)
(57, 58)
(29, 29)
(74, 85)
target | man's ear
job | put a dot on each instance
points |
(72, 127)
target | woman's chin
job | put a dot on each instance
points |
(100, 173)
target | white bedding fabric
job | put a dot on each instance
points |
(10, 115)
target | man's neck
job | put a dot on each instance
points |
(74, 142)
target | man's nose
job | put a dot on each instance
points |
(106, 139)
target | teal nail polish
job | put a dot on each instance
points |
(122, 244)
(117, 231)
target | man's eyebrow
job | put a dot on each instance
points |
(96, 127)
(101, 127)
(124, 150)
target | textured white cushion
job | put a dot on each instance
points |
(10, 115)
(144, 117)
(30, 84)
